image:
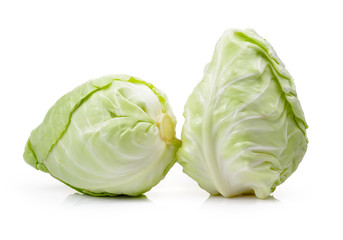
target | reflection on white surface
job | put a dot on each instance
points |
(77, 199)
(240, 200)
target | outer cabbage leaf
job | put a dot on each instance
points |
(244, 128)
(113, 135)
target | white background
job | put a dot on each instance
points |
(49, 47)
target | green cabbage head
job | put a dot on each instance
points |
(244, 131)
(113, 135)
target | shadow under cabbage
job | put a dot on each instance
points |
(77, 199)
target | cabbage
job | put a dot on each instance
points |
(110, 136)
(244, 131)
